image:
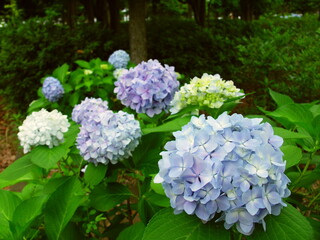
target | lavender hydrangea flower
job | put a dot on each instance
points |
(89, 109)
(147, 88)
(52, 89)
(230, 165)
(43, 128)
(119, 59)
(110, 139)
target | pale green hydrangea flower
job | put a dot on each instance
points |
(209, 90)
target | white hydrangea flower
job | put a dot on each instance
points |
(43, 128)
(209, 90)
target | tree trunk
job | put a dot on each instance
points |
(114, 9)
(71, 7)
(137, 31)
(88, 5)
(246, 10)
(102, 12)
(199, 9)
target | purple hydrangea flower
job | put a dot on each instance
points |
(52, 89)
(147, 88)
(230, 165)
(110, 139)
(89, 109)
(119, 59)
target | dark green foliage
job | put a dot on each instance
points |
(283, 54)
(33, 49)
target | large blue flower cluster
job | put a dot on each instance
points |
(52, 89)
(89, 109)
(108, 137)
(119, 59)
(230, 165)
(147, 88)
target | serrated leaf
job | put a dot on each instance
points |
(292, 155)
(166, 226)
(104, 198)
(134, 232)
(95, 174)
(61, 206)
(173, 125)
(280, 99)
(290, 224)
(46, 157)
(20, 170)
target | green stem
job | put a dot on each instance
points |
(314, 199)
(240, 237)
(304, 170)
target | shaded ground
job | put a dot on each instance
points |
(8, 136)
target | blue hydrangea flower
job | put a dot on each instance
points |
(147, 88)
(119, 59)
(230, 165)
(110, 139)
(89, 109)
(52, 89)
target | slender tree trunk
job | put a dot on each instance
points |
(89, 6)
(114, 8)
(71, 7)
(199, 9)
(102, 12)
(246, 10)
(137, 31)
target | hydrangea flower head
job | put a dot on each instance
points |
(52, 89)
(118, 72)
(119, 59)
(111, 139)
(230, 165)
(147, 88)
(43, 128)
(209, 90)
(89, 109)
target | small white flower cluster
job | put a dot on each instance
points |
(209, 90)
(43, 128)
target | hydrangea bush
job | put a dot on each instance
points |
(147, 88)
(209, 90)
(221, 177)
(43, 128)
(230, 165)
(52, 89)
(108, 137)
(119, 59)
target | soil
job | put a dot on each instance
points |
(9, 143)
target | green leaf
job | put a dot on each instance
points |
(37, 105)
(94, 174)
(147, 154)
(46, 157)
(166, 226)
(20, 170)
(61, 72)
(134, 232)
(292, 155)
(74, 98)
(24, 215)
(157, 187)
(171, 126)
(280, 99)
(61, 207)
(8, 203)
(287, 134)
(104, 198)
(83, 64)
(295, 113)
(290, 224)
(157, 199)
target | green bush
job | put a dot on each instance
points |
(34, 48)
(284, 54)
